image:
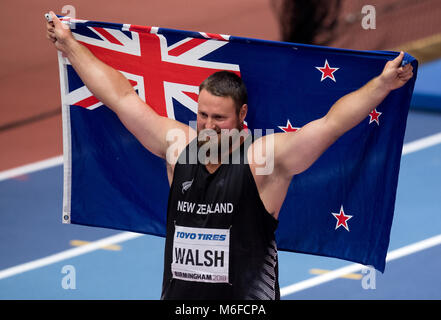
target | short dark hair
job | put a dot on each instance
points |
(226, 84)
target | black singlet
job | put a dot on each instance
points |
(220, 240)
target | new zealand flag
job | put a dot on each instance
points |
(340, 207)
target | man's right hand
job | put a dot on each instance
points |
(59, 33)
(113, 89)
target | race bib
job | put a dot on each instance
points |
(201, 254)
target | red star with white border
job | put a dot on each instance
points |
(342, 219)
(288, 127)
(327, 71)
(374, 115)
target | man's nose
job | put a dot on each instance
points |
(209, 124)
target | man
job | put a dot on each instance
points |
(221, 217)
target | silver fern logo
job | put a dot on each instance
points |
(186, 185)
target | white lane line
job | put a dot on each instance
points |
(422, 143)
(67, 254)
(395, 254)
(32, 167)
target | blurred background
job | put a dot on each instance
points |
(30, 105)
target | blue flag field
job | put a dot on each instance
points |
(341, 207)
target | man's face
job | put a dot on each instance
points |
(217, 113)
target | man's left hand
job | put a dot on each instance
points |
(394, 75)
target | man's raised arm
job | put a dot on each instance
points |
(114, 90)
(296, 151)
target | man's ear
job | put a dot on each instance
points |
(243, 112)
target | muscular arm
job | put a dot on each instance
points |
(114, 90)
(295, 152)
